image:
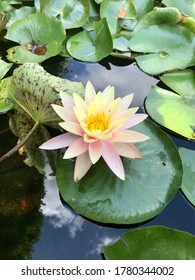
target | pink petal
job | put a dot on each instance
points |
(72, 127)
(64, 113)
(95, 151)
(76, 148)
(126, 114)
(113, 160)
(134, 120)
(60, 141)
(82, 165)
(67, 100)
(127, 150)
(128, 136)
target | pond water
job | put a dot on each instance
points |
(34, 221)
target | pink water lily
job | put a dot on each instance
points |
(97, 126)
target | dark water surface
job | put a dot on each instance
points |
(34, 222)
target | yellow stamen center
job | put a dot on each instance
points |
(97, 122)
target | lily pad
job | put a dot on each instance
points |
(174, 111)
(188, 181)
(92, 48)
(110, 9)
(4, 68)
(158, 16)
(20, 13)
(143, 7)
(34, 90)
(102, 197)
(152, 243)
(174, 48)
(6, 103)
(185, 6)
(72, 13)
(30, 33)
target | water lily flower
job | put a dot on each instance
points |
(97, 126)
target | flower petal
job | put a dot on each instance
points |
(82, 165)
(77, 148)
(72, 127)
(80, 114)
(134, 120)
(67, 100)
(113, 160)
(127, 150)
(60, 141)
(89, 92)
(95, 151)
(80, 103)
(128, 136)
(64, 113)
(126, 114)
(125, 102)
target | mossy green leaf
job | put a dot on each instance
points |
(152, 243)
(103, 197)
(174, 111)
(188, 181)
(34, 90)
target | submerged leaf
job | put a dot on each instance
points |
(152, 243)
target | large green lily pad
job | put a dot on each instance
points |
(152, 243)
(40, 37)
(188, 181)
(102, 197)
(166, 47)
(171, 110)
(72, 13)
(94, 47)
(186, 6)
(34, 90)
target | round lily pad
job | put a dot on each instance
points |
(152, 243)
(166, 47)
(102, 197)
(188, 181)
(174, 111)
(185, 6)
(40, 37)
(93, 46)
(110, 9)
(72, 13)
(6, 103)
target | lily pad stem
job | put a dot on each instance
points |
(19, 145)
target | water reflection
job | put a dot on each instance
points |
(52, 208)
(126, 79)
